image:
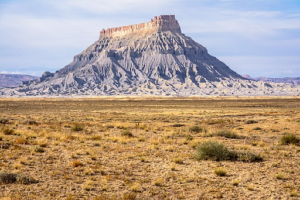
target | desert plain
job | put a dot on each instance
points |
(149, 148)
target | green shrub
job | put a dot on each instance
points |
(211, 150)
(129, 196)
(227, 134)
(8, 131)
(77, 127)
(127, 133)
(251, 121)
(3, 121)
(177, 125)
(197, 129)
(247, 156)
(189, 137)
(289, 138)
(32, 122)
(8, 178)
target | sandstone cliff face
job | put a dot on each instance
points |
(158, 24)
(152, 58)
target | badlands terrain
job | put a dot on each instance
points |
(145, 148)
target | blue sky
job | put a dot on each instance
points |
(255, 37)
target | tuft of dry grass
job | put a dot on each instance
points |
(127, 133)
(7, 131)
(220, 171)
(21, 140)
(129, 196)
(251, 121)
(37, 149)
(77, 163)
(227, 134)
(289, 138)
(77, 127)
(197, 129)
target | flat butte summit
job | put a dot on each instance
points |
(153, 58)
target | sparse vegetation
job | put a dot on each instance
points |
(280, 176)
(129, 148)
(236, 182)
(178, 160)
(7, 131)
(21, 140)
(77, 127)
(77, 163)
(129, 196)
(247, 156)
(178, 125)
(251, 121)
(8, 178)
(32, 122)
(3, 121)
(127, 133)
(220, 172)
(37, 149)
(227, 134)
(212, 150)
(289, 138)
(197, 129)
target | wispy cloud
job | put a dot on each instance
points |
(10, 72)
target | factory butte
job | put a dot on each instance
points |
(158, 24)
(152, 58)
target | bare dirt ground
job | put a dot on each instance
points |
(130, 148)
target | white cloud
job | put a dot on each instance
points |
(111, 6)
(13, 72)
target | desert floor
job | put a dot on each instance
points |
(144, 148)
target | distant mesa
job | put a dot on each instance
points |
(153, 58)
(11, 80)
(291, 80)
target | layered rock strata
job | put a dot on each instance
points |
(158, 24)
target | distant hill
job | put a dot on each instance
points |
(293, 80)
(10, 80)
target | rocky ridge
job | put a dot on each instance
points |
(292, 80)
(11, 80)
(152, 58)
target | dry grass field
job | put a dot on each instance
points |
(164, 148)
